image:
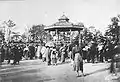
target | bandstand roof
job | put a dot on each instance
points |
(63, 24)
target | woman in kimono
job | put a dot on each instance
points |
(38, 51)
(47, 53)
(54, 55)
(43, 50)
(26, 52)
(63, 55)
(78, 62)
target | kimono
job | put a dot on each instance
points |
(26, 52)
(62, 55)
(16, 55)
(47, 53)
(38, 52)
(43, 50)
(32, 51)
(78, 62)
(54, 56)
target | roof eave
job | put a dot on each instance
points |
(64, 28)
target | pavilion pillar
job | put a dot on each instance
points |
(56, 32)
(70, 36)
(48, 38)
(49, 34)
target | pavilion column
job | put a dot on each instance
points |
(48, 38)
(49, 34)
(58, 35)
(70, 36)
(56, 32)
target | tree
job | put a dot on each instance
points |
(37, 33)
(112, 33)
(24, 37)
(9, 25)
(2, 36)
(86, 37)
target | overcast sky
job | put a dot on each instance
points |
(28, 12)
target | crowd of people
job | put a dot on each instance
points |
(18, 51)
(59, 53)
(15, 52)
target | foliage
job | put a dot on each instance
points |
(87, 37)
(112, 33)
(24, 37)
(37, 33)
(15, 37)
(2, 38)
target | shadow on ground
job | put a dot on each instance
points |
(87, 74)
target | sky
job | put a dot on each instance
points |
(26, 13)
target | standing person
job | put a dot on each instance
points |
(70, 51)
(26, 52)
(88, 55)
(59, 52)
(20, 54)
(112, 66)
(9, 54)
(36, 48)
(15, 55)
(32, 51)
(93, 51)
(38, 51)
(54, 55)
(2, 53)
(50, 60)
(74, 50)
(63, 55)
(73, 53)
(40, 57)
(62, 52)
(47, 53)
(43, 53)
(78, 62)
(66, 50)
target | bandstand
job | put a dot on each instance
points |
(65, 27)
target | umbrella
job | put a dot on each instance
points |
(50, 44)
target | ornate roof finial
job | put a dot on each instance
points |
(63, 17)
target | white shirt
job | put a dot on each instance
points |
(43, 50)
